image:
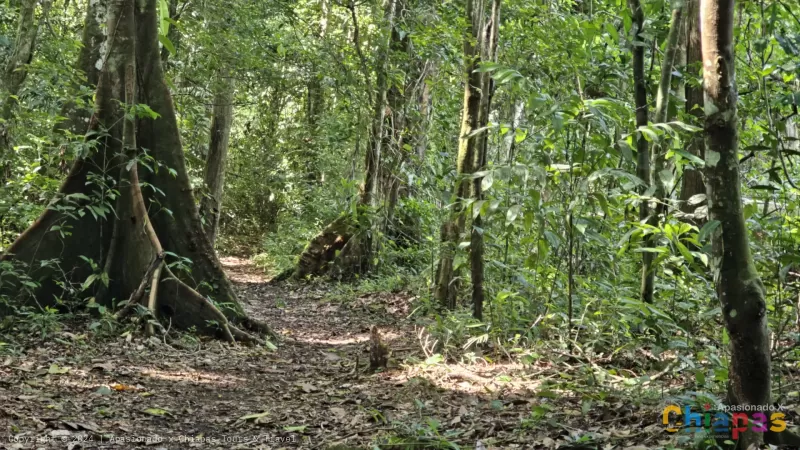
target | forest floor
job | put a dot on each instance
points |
(77, 390)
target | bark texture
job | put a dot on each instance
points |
(489, 53)
(315, 104)
(16, 70)
(214, 176)
(692, 182)
(149, 225)
(739, 287)
(642, 149)
(90, 61)
(374, 148)
(477, 41)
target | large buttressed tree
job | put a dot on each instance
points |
(111, 232)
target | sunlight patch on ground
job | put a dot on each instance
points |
(471, 379)
(318, 338)
(322, 338)
(192, 377)
(241, 270)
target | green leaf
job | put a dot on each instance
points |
(487, 182)
(687, 255)
(512, 214)
(159, 412)
(253, 417)
(617, 174)
(696, 199)
(707, 229)
(56, 370)
(693, 158)
(166, 43)
(164, 19)
(435, 359)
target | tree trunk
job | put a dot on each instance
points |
(660, 170)
(211, 203)
(476, 235)
(149, 226)
(425, 101)
(16, 70)
(373, 160)
(739, 288)
(642, 150)
(89, 62)
(445, 287)
(692, 181)
(315, 105)
(353, 234)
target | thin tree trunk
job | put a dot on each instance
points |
(214, 176)
(445, 286)
(660, 170)
(739, 288)
(373, 159)
(642, 150)
(476, 236)
(90, 61)
(345, 246)
(16, 70)
(373, 162)
(425, 112)
(315, 105)
(692, 181)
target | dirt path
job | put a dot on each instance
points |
(69, 390)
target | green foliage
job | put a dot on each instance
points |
(560, 198)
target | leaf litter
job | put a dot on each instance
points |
(125, 391)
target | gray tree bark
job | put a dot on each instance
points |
(475, 40)
(214, 176)
(642, 149)
(90, 61)
(739, 288)
(489, 53)
(692, 181)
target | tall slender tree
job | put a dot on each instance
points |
(660, 172)
(738, 285)
(214, 174)
(692, 182)
(16, 70)
(478, 40)
(642, 149)
(489, 51)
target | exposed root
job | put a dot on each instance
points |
(151, 303)
(137, 295)
(244, 336)
(257, 326)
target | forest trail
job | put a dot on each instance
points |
(67, 390)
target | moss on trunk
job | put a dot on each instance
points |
(739, 288)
